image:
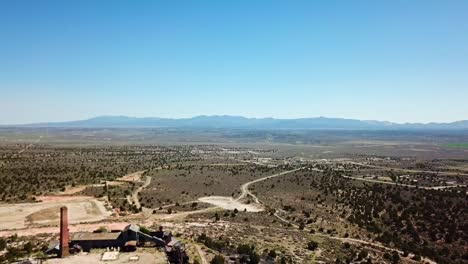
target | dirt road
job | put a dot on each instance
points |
(24, 215)
(406, 170)
(229, 203)
(201, 254)
(135, 199)
(402, 184)
(351, 240)
(256, 163)
(245, 187)
(245, 192)
(182, 215)
(399, 184)
(132, 177)
(30, 145)
(46, 212)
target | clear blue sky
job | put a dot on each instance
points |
(403, 61)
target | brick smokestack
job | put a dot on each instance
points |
(64, 250)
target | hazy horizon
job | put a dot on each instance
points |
(191, 117)
(390, 61)
(234, 115)
(240, 131)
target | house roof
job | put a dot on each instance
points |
(81, 236)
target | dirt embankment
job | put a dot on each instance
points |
(81, 209)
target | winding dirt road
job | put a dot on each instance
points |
(351, 240)
(407, 170)
(135, 199)
(245, 187)
(402, 184)
(246, 191)
(399, 184)
(229, 203)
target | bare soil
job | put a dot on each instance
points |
(80, 208)
(229, 203)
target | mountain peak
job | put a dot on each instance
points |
(227, 121)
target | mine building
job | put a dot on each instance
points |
(127, 239)
(88, 241)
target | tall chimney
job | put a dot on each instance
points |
(64, 250)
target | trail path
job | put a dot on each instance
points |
(132, 177)
(256, 163)
(245, 187)
(181, 215)
(404, 185)
(350, 240)
(246, 191)
(201, 254)
(135, 199)
(401, 184)
(30, 145)
(407, 170)
(230, 203)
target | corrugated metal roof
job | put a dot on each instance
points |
(80, 236)
(133, 227)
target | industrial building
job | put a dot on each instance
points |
(127, 239)
(124, 240)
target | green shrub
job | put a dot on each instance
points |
(312, 245)
(218, 259)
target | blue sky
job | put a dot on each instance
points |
(402, 61)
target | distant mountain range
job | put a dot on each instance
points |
(240, 122)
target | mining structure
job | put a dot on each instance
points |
(125, 240)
